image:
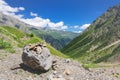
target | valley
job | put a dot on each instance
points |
(93, 54)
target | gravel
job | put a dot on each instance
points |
(12, 68)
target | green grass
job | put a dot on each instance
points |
(11, 36)
(117, 75)
(6, 46)
(11, 50)
(33, 40)
(90, 65)
(56, 52)
(14, 31)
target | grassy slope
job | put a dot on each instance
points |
(89, 46)
(12, 38)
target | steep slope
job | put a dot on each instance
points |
(57, 38)
(12, 39)
(100, 42)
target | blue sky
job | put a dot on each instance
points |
(71, 15)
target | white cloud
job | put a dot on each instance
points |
(64, 27)
(37, 21)
(55, 25)
(78, 31)
(83, 27)
(59, 25)
(21, 8)
(6, 9)
(76, 26)
(33, 14)
(40, 22)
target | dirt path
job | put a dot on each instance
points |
(11, 68)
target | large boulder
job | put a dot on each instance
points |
(37, 57)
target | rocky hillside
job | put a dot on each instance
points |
(100, 42)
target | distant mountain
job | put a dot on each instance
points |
(57, 38)
(100, 42)
(11, 21)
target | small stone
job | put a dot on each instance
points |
(15, 72)
(70, 78)
(38, 50)
(55, 67)
(58, 79)
(55, 72)
(59, 76)
(67, 60)
(44, 45)
(50, 77)
(29, 78)
(54, 61)
(67, 71)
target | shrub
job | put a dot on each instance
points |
(30, 35)
(4, 45)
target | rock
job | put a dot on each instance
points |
(58, 79)
(38, 50)
(70, 78)
(54, 62)
(37, 57)
(67, 71)
(59, 76)
(55, 67)
(67, 60)
(50, 77)
(55, 72)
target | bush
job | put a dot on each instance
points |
(30, 35)
(4, 45)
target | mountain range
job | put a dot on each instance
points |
(100, 42)
(57, 38)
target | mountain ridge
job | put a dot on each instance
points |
(105, 30)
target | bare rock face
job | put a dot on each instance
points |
(37, 57)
